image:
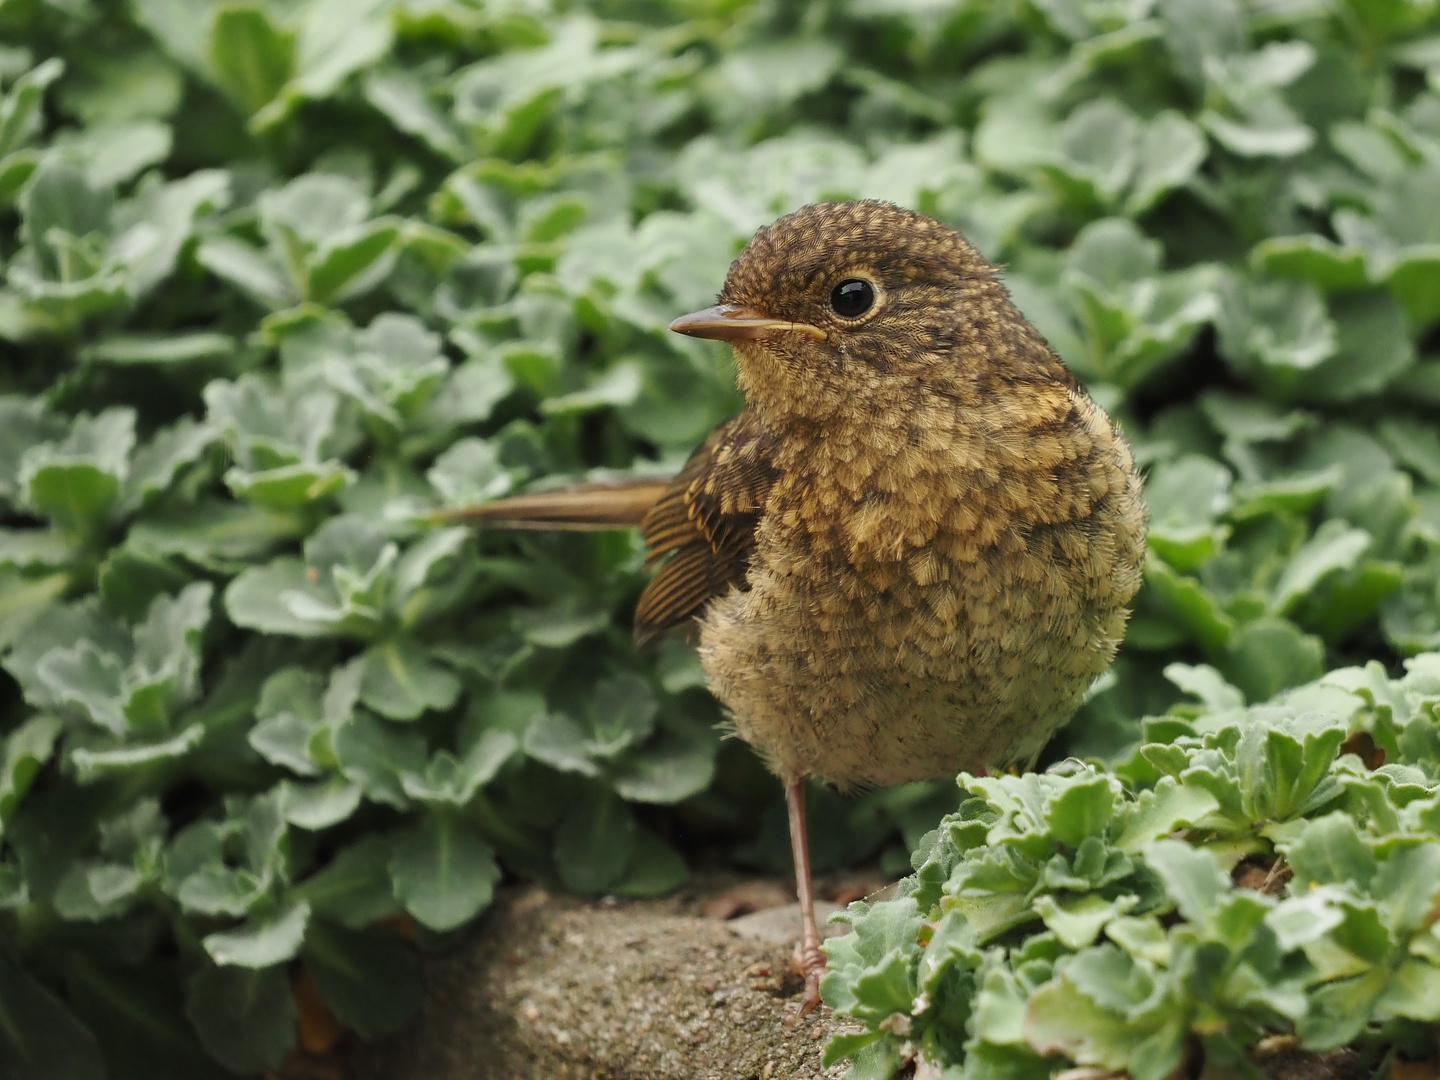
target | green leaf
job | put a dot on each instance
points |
(371, 979)
(617, 387)
(847, 1044)
(20, 109)
(558, 741)
(156, 465)
(1268, 655)
(60, 202)
(427, 562)
(1082, 809)
(23, 600)
(27, 748)
(1265, 128)
(86, 677)
(1373, 348)
(40, 1038)
(352, 263)
(885, 989)
(1076, 921)
(668, 771)
(213, 534)
(244, 1017)
(1276, 331)
(1014, 135)
(403, 99)
(1062, 1019)
(1160, 811)
(354, 889)
(654, 869)
(1314, 258)
(594, 841)
(289, 487)
(1334, 547)
(623, 713)
(1170, 152)
(1407, 885)
(75, 481)
(247, 269)
(1189, 605)
(308, 212)
(1281, 765)
(400, 682)
(261, 943)
(319, 805)
(448, 779)
(135, 754)
(470, 394)
(443, 873)
(771, 74)
(288, 713)
(1330, 850)
(1207, 684)
(220, 890)
(1414, 992)
(1186, 496)
(1300, 920)
(264, 598)
(250, 58)
(119, 150)
(562, 623)
(469, 472)
(376, 755)
(159, 349)
(1193, 879)
(1097, 147)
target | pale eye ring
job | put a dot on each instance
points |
(852, 298)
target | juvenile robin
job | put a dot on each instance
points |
(912, 552)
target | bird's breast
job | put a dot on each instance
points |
(927, 532)
(931, 598)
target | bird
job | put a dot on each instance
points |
(913, 550)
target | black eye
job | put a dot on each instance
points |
(852, 298)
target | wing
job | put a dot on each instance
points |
(705, 522)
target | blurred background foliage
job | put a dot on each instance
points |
(279, 277)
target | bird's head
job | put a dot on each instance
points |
(840, 308)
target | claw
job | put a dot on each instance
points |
(810, 963)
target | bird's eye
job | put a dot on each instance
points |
(852, 298)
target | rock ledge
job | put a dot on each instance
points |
(555, 988)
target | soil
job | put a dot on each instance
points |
(552, 987)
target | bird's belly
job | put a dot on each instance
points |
(830, 676)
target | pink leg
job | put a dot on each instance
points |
(810, 959)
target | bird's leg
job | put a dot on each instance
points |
(810, 959)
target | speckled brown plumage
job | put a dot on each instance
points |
(952, 530)
(912, 553)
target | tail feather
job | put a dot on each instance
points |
(584, 507)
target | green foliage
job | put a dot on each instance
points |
(281, 277)
(1102, 915)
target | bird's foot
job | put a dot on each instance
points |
(811, 964)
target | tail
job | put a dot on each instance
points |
(585, 507)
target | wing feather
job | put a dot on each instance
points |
(705, 522)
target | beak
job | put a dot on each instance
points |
(733, 322)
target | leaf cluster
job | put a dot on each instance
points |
(1242, 874)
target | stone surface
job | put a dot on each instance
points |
(555, 988)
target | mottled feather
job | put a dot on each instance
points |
(707, 519)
